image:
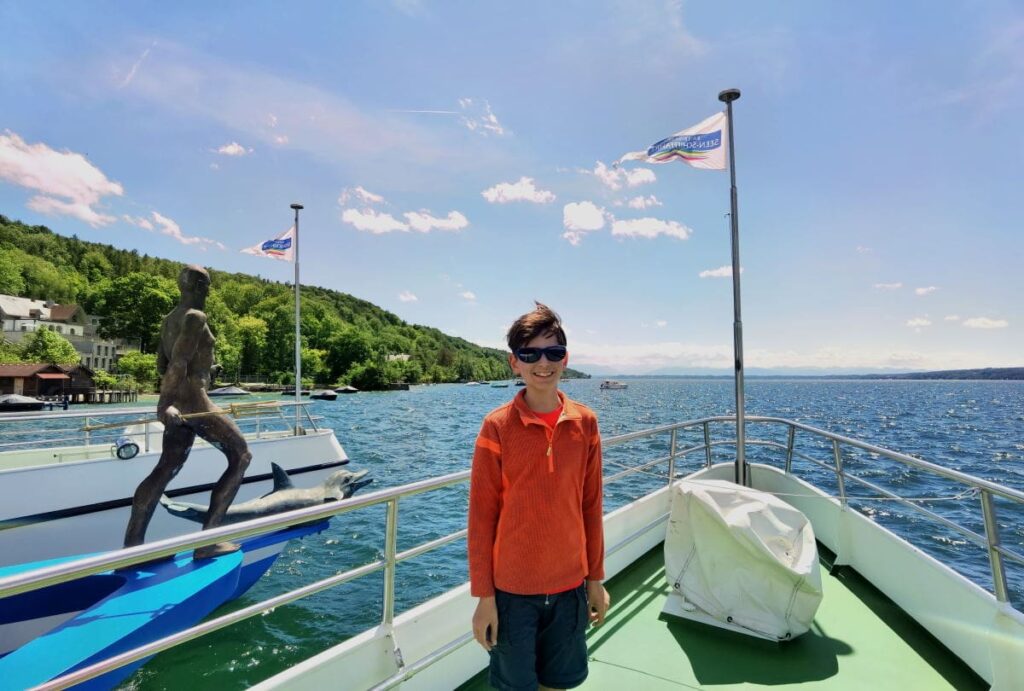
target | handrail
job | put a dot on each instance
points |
(391, 496)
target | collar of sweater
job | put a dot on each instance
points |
(527, 416)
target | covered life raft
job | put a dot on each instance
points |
(740, 559)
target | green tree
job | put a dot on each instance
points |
(133, 306)
(140, 366)
(11, 281)
(49, 346)
(368, 376)
(252, 339)
(95, 266)
(344, 349)
(104, 379)
(10, 352)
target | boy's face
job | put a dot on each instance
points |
(542, 375)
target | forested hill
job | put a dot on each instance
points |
(345, 339)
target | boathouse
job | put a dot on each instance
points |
(34, 379)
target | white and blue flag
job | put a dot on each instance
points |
(281, 247)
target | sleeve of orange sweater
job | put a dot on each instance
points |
(593, 512)
(484, 509)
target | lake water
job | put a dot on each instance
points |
(974, 427)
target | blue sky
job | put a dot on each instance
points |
(450, 156)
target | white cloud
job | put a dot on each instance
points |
(169, 227)
(139, 221)
(614, 178)
(280, 139)
(420, 221)
(373, 222)
(233, 149)
(661, 323)
(524, 190)
(406, 296)
(468, 295)
(720, 272)
(644, 202)
(925, 291)
(424, 222)
(638, 176)
(649, 228)
(69, 184)
(918, 322)
(863, 250)
(952, 317)
(365, 196)
(888, 286)
(478, 117)
(272, 120)
(214, 166)
(985, 323)
(580, 218)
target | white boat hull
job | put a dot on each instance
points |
(57, 509)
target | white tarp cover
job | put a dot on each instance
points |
(737, 552)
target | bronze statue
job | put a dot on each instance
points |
(184, 360)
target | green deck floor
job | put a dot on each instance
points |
(859, 640)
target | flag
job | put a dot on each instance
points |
(701, 146)
(281, 247)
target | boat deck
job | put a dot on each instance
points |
(859, 640)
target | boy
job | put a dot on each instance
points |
(536, 529)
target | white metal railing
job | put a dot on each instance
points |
(44, 430)
(391, 497)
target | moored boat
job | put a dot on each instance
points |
(228, 391)
(65, 490)
(324, 395)
(16, 403)
(612, 384)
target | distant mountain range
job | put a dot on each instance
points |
(989, 373)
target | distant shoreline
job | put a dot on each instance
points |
(984, 374)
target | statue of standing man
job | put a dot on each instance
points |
(184, 359)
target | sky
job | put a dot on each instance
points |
(455, 161)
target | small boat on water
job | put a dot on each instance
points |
(612, 384)
(16, 403)
(499, 384)
(226, 391)
(291, 392)
(347, 389)
(324, 395)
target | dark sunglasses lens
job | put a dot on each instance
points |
(528, 355)
(555, 353)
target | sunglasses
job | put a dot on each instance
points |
(530, 355)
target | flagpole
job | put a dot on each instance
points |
(298, 336)
(742, 470)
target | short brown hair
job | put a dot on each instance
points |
(542, 321)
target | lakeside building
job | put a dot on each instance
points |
(21, 316)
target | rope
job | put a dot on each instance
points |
(967, 493)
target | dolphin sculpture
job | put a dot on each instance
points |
(341, 484)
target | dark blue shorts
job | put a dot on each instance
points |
(542, 639)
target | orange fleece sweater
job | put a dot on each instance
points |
(535, 519)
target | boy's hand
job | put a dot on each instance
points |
(485, 623)
(598, 601)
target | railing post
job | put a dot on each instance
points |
(707, 445)
(672, 457)
(88, 434)
(838, 455)
(988, 511)
(390, 549)
(789, 449)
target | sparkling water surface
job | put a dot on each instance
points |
(974, 427)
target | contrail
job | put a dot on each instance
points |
(135, 67)
(431, 112)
